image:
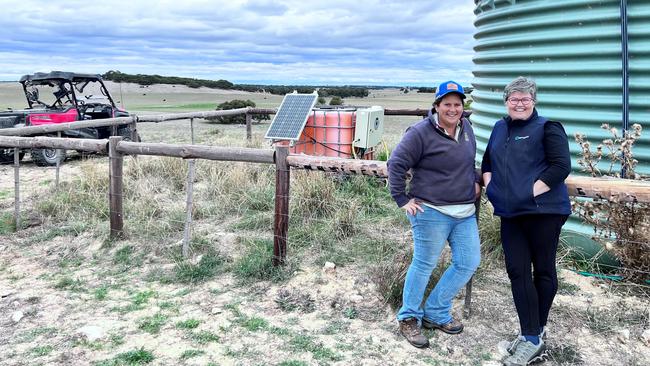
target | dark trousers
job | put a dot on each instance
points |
(530, 242)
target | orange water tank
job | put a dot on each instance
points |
(328, 132)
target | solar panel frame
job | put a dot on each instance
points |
(291, 117)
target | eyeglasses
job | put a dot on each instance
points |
(524, 101)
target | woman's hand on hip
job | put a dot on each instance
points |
(412, 207)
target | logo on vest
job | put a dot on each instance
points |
(517, 138)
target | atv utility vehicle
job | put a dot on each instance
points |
(62, 97)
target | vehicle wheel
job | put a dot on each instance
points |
(47, 157)
(125, 132)
(7, 156)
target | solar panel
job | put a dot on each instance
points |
(291, 117)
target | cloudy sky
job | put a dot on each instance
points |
(243, 41)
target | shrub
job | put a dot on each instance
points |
(623, 227)
(240, 118)
(336, 100)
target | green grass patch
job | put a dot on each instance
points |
(70, 284)
(254, 324)
(101, 293)
(182, 292)
(73, 230)
(260, 199)
(138, 302)
(209, 265)
(372, 194)
(130, 358)
(7, 224)
(152, 324)
(318, 350)
(127, 256)
(143, 297)
(188, 324)
(41, 351)
(96, 345)
(116, 340)
(293, 363)
(168, 305)
(257, 262)
(254, 221)
(71, 261)
(31, 335)
(191, 353)
(203, 337)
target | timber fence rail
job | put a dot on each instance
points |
(134, 119)
(619, 190)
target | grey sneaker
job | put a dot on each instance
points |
(526, 353)
(513, 345)
(410, 329)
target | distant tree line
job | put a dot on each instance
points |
(422, 89)
(343, 92)
(141, 79)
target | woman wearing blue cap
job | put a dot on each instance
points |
(439, 202)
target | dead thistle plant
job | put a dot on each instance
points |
(622, 227)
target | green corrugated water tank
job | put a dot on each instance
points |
(574, 49)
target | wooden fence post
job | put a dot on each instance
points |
(249, 126)
(189, 203)
(17, 188)
(134, 129)
(115, 193)
(58, 164)
(281, 221)
(467, 309)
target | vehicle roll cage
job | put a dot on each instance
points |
(76, 81)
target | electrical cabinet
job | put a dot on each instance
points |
(369, 127)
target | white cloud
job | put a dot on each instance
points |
(266, 41)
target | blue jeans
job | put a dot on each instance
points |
(431, 229)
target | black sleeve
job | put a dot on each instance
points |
(556, 147)
(486, 167)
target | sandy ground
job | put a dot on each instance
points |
(343, 320)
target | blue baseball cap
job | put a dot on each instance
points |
(449, 87)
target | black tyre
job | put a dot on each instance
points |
(47, 157)
(7, 156)
(125, 132)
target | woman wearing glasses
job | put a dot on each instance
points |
(524, 167)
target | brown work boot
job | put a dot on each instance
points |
(410, 329)
(452, 327)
